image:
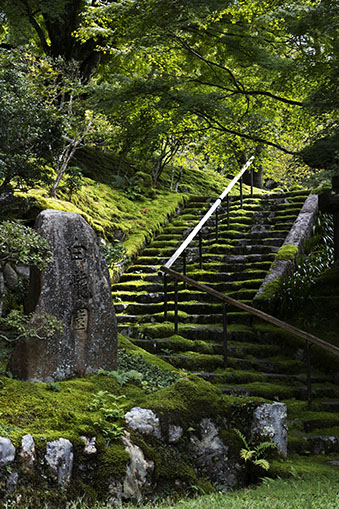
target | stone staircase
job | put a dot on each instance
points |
(260, 360)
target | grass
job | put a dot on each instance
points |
(306, 492)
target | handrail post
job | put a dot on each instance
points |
(184, 266)
(200, 250)
(165, 297)
(252, 178)
(309, 375)
(241, 192)
(217, 225)
(176, 306)
(224, 321)
(228, 211)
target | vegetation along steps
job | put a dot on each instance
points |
(233, 258)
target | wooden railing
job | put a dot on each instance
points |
(167, 271)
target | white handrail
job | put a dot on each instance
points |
(208, 214)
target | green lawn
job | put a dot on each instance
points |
(307, 492)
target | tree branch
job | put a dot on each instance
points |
(36, 26)
(210, 63)
(215, 124)
(248, 92)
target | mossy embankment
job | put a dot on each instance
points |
(132, 217)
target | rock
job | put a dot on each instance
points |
(174, 433)
(212, 457)
(7, 451)
(138, 471)
(27, 452)
(89, 448)
(12, 481)
(143, 420)
(59, 457)
(75, 288)
(115, 492)
(270, 424)
(23, 271)
(11, 277)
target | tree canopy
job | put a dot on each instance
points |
(210, 79)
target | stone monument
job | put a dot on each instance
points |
(75, 288)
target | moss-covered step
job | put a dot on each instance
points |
(249, 249)
(238, 265)
(315, 444)
(252, 241)
(139, 285)
(205, 332)
(184, 317)
(149, 269)
(195, 361)
(152, 277)
(248, 259)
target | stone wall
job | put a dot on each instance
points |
(152, 455)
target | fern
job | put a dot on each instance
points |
(253, 454)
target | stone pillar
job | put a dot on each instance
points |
(75, 288)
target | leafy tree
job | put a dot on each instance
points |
(245, 71)
(30, 129)
(50, 25)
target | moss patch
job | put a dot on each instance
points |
(287, 252)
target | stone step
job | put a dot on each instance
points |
(330, 406)
(253, 250)
(184, 296)
(184, 317)
(314, 444)
(236, 266)
(275, 391)
(310, 425)
(201, 276)
(248, 259)
(196, 361)
(236, 276)
(149, 308)
(232, 376)
(149, 269)
(201, 332)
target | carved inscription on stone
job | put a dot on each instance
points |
(79, 276)
(80, 320)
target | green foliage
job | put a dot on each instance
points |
(30, 129)
(253, 454)
(21, 244)
(129, 185)
(109, 407)
(17, 326)
(115, 253)
(152, 377)
(52, 386)
(123, 377)
(73, 180)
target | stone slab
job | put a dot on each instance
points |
(75, 288)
